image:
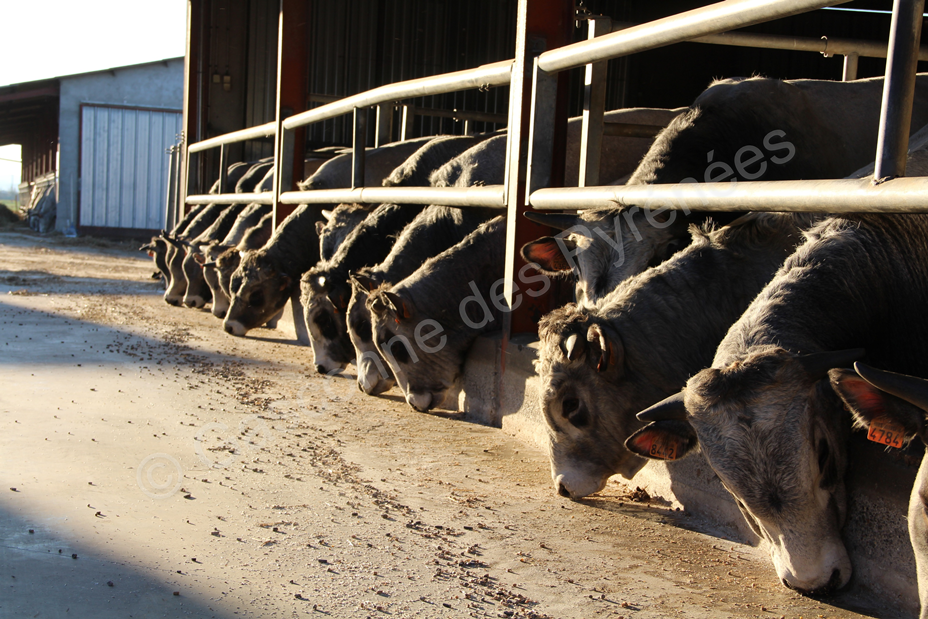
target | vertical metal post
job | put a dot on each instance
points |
(408, 115)
(292, 74)
(358, 144)
(898, 89)
(169, 195)
(594, 109)
(384, 133)
(468, 127)
(223, 169)
(540, 25)
(541, 129)
(850, 67)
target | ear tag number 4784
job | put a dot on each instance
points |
(886, 432)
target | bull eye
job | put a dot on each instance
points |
(256, 298)
(326, 324)
(236, 284)
(575, 412)
(826, 465)
(400, 353)
(362, 329)
(749, 517)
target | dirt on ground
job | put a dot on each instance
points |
(153, 466)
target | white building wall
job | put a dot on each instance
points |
(158, 85)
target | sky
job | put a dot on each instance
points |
(51, 38)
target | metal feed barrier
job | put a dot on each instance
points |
(705, 25)
(885, 193)
(529, 184)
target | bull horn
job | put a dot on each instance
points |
(560, 221)
(912, 389)
(327, 214)
(147, 247)
(211, 263)
(668, 408)
(174, 242)
(818, 364)
(573, 351)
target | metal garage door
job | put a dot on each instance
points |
(124, 165)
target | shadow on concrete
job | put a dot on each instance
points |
(42, 579)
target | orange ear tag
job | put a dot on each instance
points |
(885, 431)
(663, 450)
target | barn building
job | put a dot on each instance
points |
(100, 138)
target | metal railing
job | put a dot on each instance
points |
(704, 25)
(266, 130)
(707, 23)
(486, 76)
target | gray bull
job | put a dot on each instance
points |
(325, 304)
(250, 217)
(326, 289)
(228, 261)
(764, 414)
(424, 325)
(894, 408)
(267, 277)
(197, 293)
(432, 231)
(601, 365)
(158, 247)
(338, 225)
(750, 129)
(177, 281)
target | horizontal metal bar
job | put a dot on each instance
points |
(428, 111)
(496, 74)
(491, 196)
(825, 45)
(859, 195)
(261, 131)
(712, 19)
(265, 197)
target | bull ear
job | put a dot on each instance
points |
(818, 364)
(559, 221)
(363, 282)
(320, 226)
(612, 353)
(868, 402)
(285, 282)
(200, 258)
(400, 306)
(340, 303)
(546, 252)
(663, 440)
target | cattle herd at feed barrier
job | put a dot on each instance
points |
(763, 338)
